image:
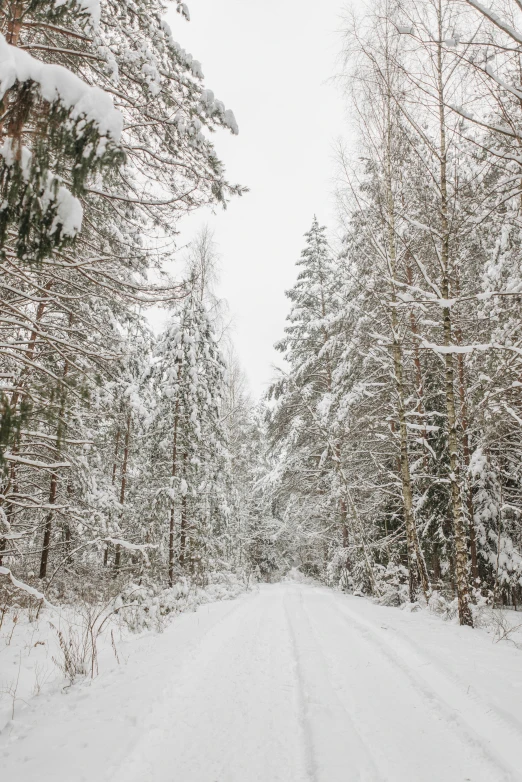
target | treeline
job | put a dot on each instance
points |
(387, 458)
(123, 455)
(395, 428)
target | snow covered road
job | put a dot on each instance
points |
(292, 683)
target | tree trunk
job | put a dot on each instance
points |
(184, 519)
(459, 529)
(344, 522)
(11, 481)
(67, 528)
(117, 555)
(421, 408)
(173, 473)
(44, 559)
(113, 481)
(466, 453)
(14, 24)
(416, 564)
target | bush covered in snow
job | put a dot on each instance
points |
(147, 606)
(392, 584)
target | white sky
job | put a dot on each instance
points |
(271, 62)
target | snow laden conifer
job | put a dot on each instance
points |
(189, 452)
(423, 412)
(104, 145)
(120, 469)
(57, 132)
(308, 450)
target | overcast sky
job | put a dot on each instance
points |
(271, 62)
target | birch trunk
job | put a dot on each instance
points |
(459, 528)
(418, 573)
(466, 453)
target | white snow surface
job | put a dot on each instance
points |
(90, 7)
(290, 683)
(56, 83)
(69, 213)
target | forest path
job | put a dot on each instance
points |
(292, 683)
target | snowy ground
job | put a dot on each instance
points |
(291, 683)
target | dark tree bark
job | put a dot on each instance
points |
(117, 556)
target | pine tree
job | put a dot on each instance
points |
(296, 428)
(189, 374)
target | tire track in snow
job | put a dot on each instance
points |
(86, 734)
(225, 715)
(467, 713)
(151, 735)
(336, 750)
(304, 723)
(509, 721)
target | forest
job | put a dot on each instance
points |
(386, 457)
(200, 581)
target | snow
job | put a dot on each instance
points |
(291, 683)
(9, 155)
(457, 349)
(56, 83)
(496, 19)
(4, 571)
(230, 120)
(90, 7)
(130, 546)
(93, 8)
(12, 457)
(69, 212)
(29, 641)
